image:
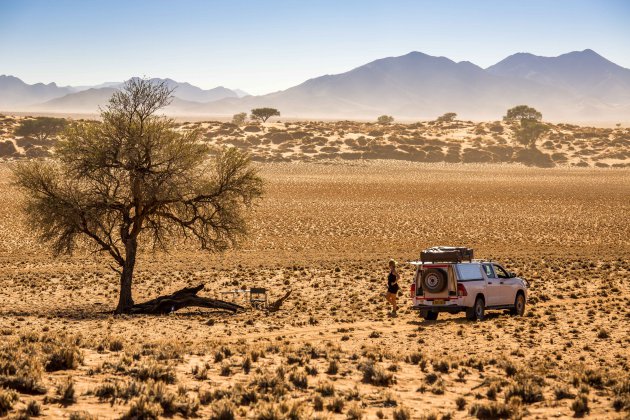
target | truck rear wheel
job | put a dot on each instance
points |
(430, 316)
(478, 311)
(434, 280)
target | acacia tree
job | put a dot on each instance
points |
(239, 119)
(448, 117)
(263, 114)
(522, 112)
(531, 129)
(134, 179)
(385, 119)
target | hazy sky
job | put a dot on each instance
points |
(263, 46)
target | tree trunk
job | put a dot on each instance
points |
(125, 299)
(184, 298)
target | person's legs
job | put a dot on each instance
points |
(390, 297)
(394, 303)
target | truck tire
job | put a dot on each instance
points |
(433, 280)
(519, 305)
(478, 311)
(430, 315)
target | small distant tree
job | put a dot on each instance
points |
(239, 119)
(134, 179)
(522, 112)
(41, 128)
(263, 114)
(530, 131)
(448, 117)
(385, 119)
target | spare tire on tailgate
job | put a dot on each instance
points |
(433, 280)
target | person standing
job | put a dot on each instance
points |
(392, 286)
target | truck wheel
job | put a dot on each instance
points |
(430, 316)
(519, 305)
(434, 280)
(478, 311)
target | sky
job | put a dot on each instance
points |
(265, 46)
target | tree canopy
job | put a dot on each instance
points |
(385, 119)
(239, 119)
(522, 112)
(135, 179)
(263, 114)
(530, 131)
(448, 117)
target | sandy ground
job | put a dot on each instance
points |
(326, 231)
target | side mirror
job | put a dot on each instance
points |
(511, 275)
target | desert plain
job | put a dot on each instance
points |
(326, 228)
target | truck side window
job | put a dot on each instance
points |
(489, 271)
(501, 273)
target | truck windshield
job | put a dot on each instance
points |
(468, 272)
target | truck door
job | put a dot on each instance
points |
(492, 286)
(508, 286)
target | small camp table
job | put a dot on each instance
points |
(257, 296)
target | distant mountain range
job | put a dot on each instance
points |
(580, 85)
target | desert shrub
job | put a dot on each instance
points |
(580, 405)
(156, 372)
(460, 402)
(222, 410)
(143, 408)
(493, 410)
(440, 366)
(333, 367)
(268, 411)
(33, 409)
(354, 412)
(527, 389)
(299, 379)
(66, 393)
(269, 383)
(8, 398)
(375, 375)
(81, 415)
(116, 345)
(336, 405)
(7, 148)
(226, 369)
(252, 129)
(563, 392)
(476, 156)
(318, 403)
(431, 378)
(533, 157)
(64, 356)
(326, 389)
(593, 378)
(401, 413)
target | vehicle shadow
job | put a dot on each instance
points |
(460, 320)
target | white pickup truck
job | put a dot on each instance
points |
(471, 287)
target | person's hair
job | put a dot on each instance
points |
(393, 262)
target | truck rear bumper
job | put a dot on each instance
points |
(453, 309)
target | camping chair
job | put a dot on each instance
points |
(258, 297)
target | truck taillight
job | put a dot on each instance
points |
(461, 290)
(412, 290)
